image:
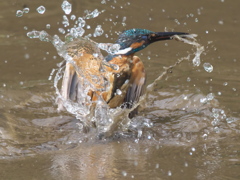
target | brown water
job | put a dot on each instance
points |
(182, 137)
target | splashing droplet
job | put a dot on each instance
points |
(33, 34)
(118, 92)
(26, 10)
(98, 31)
(208, 67)
(48, 26)
(109, 47)
(65, 21)
(19, 13)
(61, 30)
(41, 9)
(169, 173)
(66, 7)
(90, 15)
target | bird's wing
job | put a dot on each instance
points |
(136, 83)
(69, 84)
(82, 72)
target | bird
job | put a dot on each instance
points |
(118, 79)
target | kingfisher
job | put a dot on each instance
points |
(95, 75)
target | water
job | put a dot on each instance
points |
(208, 67)
(66, 7)
(187, 126)
(41, 9)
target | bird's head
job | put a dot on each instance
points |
(134, 40)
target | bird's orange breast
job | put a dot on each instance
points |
(102, 80)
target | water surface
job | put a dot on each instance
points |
(188, 127)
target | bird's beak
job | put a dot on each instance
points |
(160, 36)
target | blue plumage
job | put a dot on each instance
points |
(134, 40)
(132, 35)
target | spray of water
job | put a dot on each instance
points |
(95, 114)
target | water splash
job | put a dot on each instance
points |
(190, 39)
(109, 47)
(95, 114)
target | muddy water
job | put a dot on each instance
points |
(182, 130)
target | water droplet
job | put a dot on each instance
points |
(66, 7)
(135, 163)
(188, 79)
(81, 22)
(73, 17)
(230, 120)
(41, 9)
(26, 10)
(216, 129)
(206, 32)
(65, 21)
(61, 30)
(225, 83)
(109, 47)
(103, 2)
(19, 13)
(219, 93)
(98, 31)
(48, 26)
(44, 36)
(95, 54)
(205, 136)
(210, 96)
(169, 173)
(90, 15)
(176, 21)
(208, 67)
(114, 67)
(4, 85)
(220, 22)
(193, 149)
(76, 32)
(33, 34)
(119, 92)
(26, 56)
(124, 173)
(139, 133)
